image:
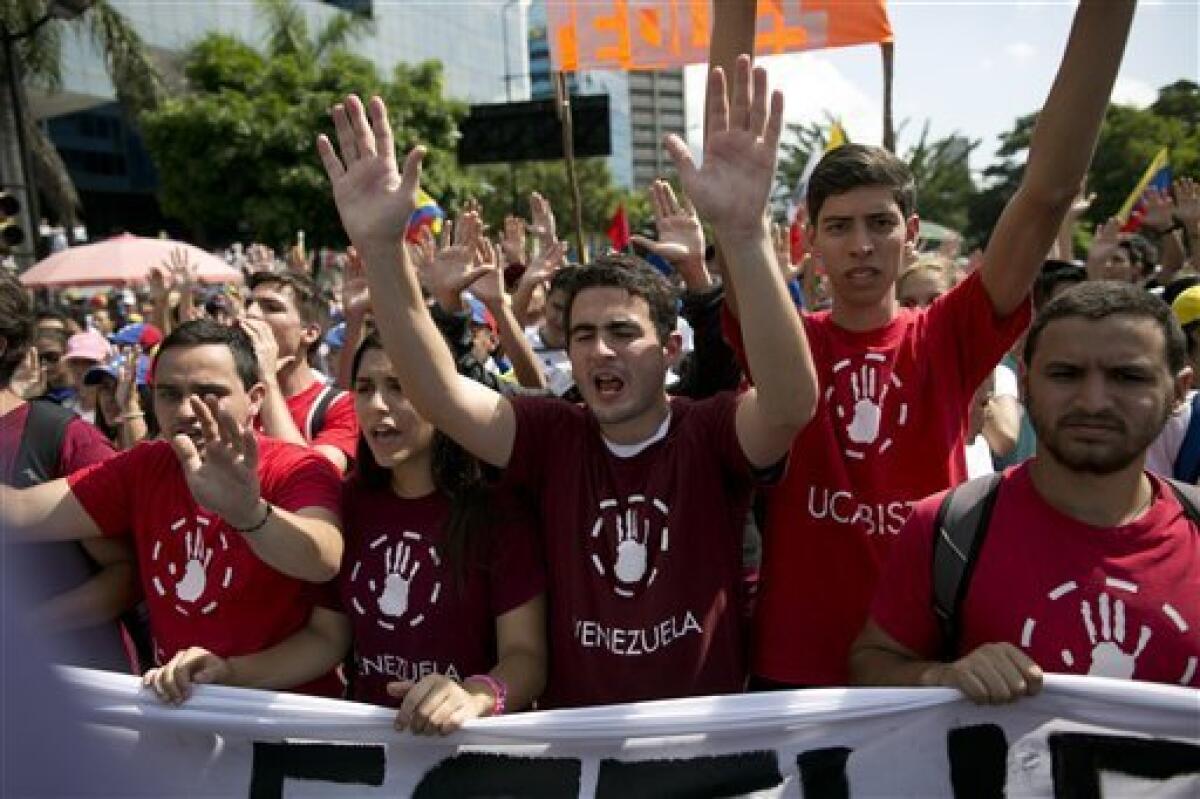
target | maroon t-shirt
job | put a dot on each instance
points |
(83, 444)
(411, 613)
(643, 553)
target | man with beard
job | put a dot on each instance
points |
(1091, 565)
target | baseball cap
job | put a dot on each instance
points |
(89, 345)
(138, 333)
(112, 368)
(480, 315)
(1187, 306)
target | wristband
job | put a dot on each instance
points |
(497, 687)
(125, 417)
(260, 525)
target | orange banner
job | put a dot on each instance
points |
(655, 34)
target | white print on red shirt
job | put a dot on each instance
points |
(843, 507)
(634, 544)
(864, 415)
(390, 572)
(1114, 649)
(190, 579)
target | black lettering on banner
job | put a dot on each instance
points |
(978, 761)
(720, 775)
(823, 772)
(1078, 759)
(483, 774)
(346, 764)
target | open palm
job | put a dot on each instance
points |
(731, 187)
(373, 198)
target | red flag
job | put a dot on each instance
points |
(618, 229)
(797, 245)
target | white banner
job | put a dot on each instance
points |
(1122, 737)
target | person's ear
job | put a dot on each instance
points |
(912, 230)
(673, 346)
(1184, 379)
(256, 395)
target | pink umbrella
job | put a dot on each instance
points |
(124, 260)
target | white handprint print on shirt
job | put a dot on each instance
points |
(864, 427)
(1108, 657)
(195, 571)
(631, 548)
(401, 569)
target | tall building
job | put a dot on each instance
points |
(656, 108)
(484, 55)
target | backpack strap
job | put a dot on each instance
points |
(1187, 462)
(1188, 495)
(37, 457)
(316, 415)
(960, 527)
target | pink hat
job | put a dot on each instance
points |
(89, 346)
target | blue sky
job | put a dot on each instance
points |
(971, 67)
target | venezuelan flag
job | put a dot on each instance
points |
(428, 214)
(1156, 176)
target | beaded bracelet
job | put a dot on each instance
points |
(497, 687)
(266, 517)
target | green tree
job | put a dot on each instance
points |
(939, 166)
(1129, 140)
(599, 195)
(138, 84)
(236, 153)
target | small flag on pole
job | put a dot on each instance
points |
(1156, 176)
(618, 229)
(837, 137)
(428, 214)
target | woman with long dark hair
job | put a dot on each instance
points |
(441, 580)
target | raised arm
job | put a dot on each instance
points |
(375, 203)
(1059, 154)
(731, 190)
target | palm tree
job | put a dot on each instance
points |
(137, 81)
(288, 34)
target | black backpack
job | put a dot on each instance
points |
(961, 526)
(316, 417)
(41, 441)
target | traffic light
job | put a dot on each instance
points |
(11, 233)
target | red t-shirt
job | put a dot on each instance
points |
(888, 430)
(410, 615)
(204, 586)
(83, 444)
(1114, 602)
(643, 553)
(340, 429)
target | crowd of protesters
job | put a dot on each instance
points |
(463, 476)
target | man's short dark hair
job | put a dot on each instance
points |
(311, 304)
(562, 279)
(1055, 273)
(16, 325)
(635, 276)
(1100, 299)
(199, 332)
(852, 166)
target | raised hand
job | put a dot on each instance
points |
(1160, 210)
(1187, 203)
(181, 268)
(542, 224)
(548, 261)
(159, 281)
(513, 242)
(452, 268)
(680, 235)
(356, 297)
(30, 379)
(126, 390)
(260, 258)
(1105, 241)
(222, 473)
(730, 189)
(374, 199)
(489, 284)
